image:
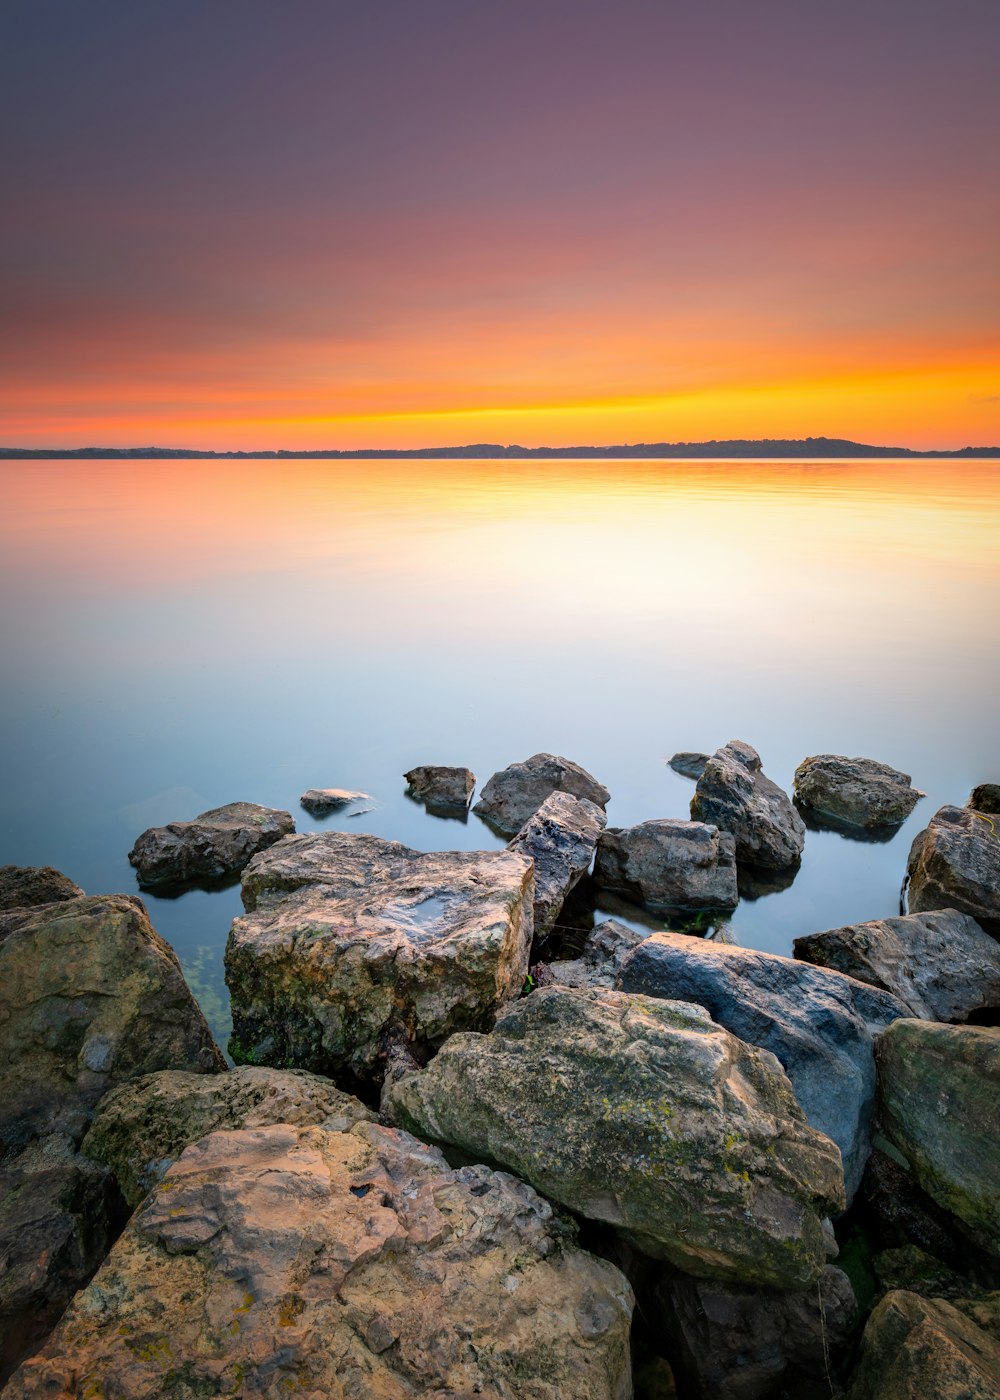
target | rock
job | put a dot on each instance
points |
(296, 1259)
(898, 1215)
(941, 965)
(734, 795)
(216, 843)
(913, 1269)
(24, 885)
(939, 1109)
(689, 765)
(351, 943)
(516, 793)
(857, 792)
(320, 801)
(141, 1128)
(740, 1344)
(820, 1025)
(924, 1349)
(985, 798)
(442, 787)
(560, 838)
(669, 864)
(597, 962)
(955, 864)
(646, 1115)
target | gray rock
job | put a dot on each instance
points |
(734, 794)
(442, 787)
(560, 838)
(985, 798)
(924, 1349)
(941, 965)
(820, 1024)
(669, 864)
(598, 961)
(689, 765)
(24, 885)
(216, 843)
(320, 801)
(516, 793)
(646, 1115)
(352, 944)
(857, 792)
(955, 864)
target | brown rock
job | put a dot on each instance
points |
(216, 843)
(442, 787)
(25, 885)
(516, 793)
(924, 1349)
(560, 838)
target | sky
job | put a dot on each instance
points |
(327, 223)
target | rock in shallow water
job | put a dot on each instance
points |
(445, 788)
(516, 793)
(320, 801)
(24, 885)
(955, 864)
(924, 1349)
(734, 794)
(858, 792)
(668, 864)
(216, 843)
(560, 838)
(689, 765)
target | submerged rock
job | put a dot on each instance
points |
(955, 864)
(320, 801)
(858, 792)
(985, 798)
(820, 1024)
(941, 965)
(669, 864)
(648, 1116)
(734, 794)
(442, 787)
(689, 765)
(560, 838)
(22, 886)
(352, 944)
(340, 1264)
(924, 1349)
(216, 843)
(516, 793)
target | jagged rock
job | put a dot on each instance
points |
(296, 1259)
(351, 943)
(516, 793)
(985, 798)
(924, 1349)
(560, 838)
(141, 1128)
(912, 1268)
(442, 787)
(955, 864)
(734, 795)
(320, 801)
(821, 1025)
(941, 965)
(739, 1344)
(939, 1108)
(669, 864)
(689, 765)
(24, 885)
(646, 1115)
(598, 961)
(898, 1214)
(857, 792)
(216, 843)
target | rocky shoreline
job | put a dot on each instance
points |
(454, 1159)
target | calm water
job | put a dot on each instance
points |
(180, 635)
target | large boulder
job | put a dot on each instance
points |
(142, 1127)
(955, 864)
(216, 843)
(516, 793)
(855, 792)
(734, 794)
(669, 864)
(646, 1115)
(924, 1349)
(441, 788)
(301, 1260)
(939, 1109)
(560, 838)
(820, 1025)
(26, 885)
(354, 947)
(941, 965)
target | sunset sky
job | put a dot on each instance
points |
(340, 223)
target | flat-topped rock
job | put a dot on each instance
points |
(820, 1024)
(320, 801)
(924, 1349)
(734, 794)
(441, 787)
(646, 1115)
(300, 1260)
(941, 965)
(985, 798)
(560, 838)
(516, 793)
(955, 864)
(353, 946)
(855, 792)
(668, 864)
(216, 843)
(22, 886)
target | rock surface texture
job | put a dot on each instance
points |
(734, 794)
(24, 885)
(298, 1260)
(560, 838)
(689, 765)
(352, 945)
(955, 864)
(598, 960)
(216, 843)
(820, 1025)
(941, 965)
(516, 793)
(985, 797)
(320, 801)
(857, 792)
(669, 864)
(648, 1116)
(436, 786)
(924, 1349)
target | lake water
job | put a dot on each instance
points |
(178, 635)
